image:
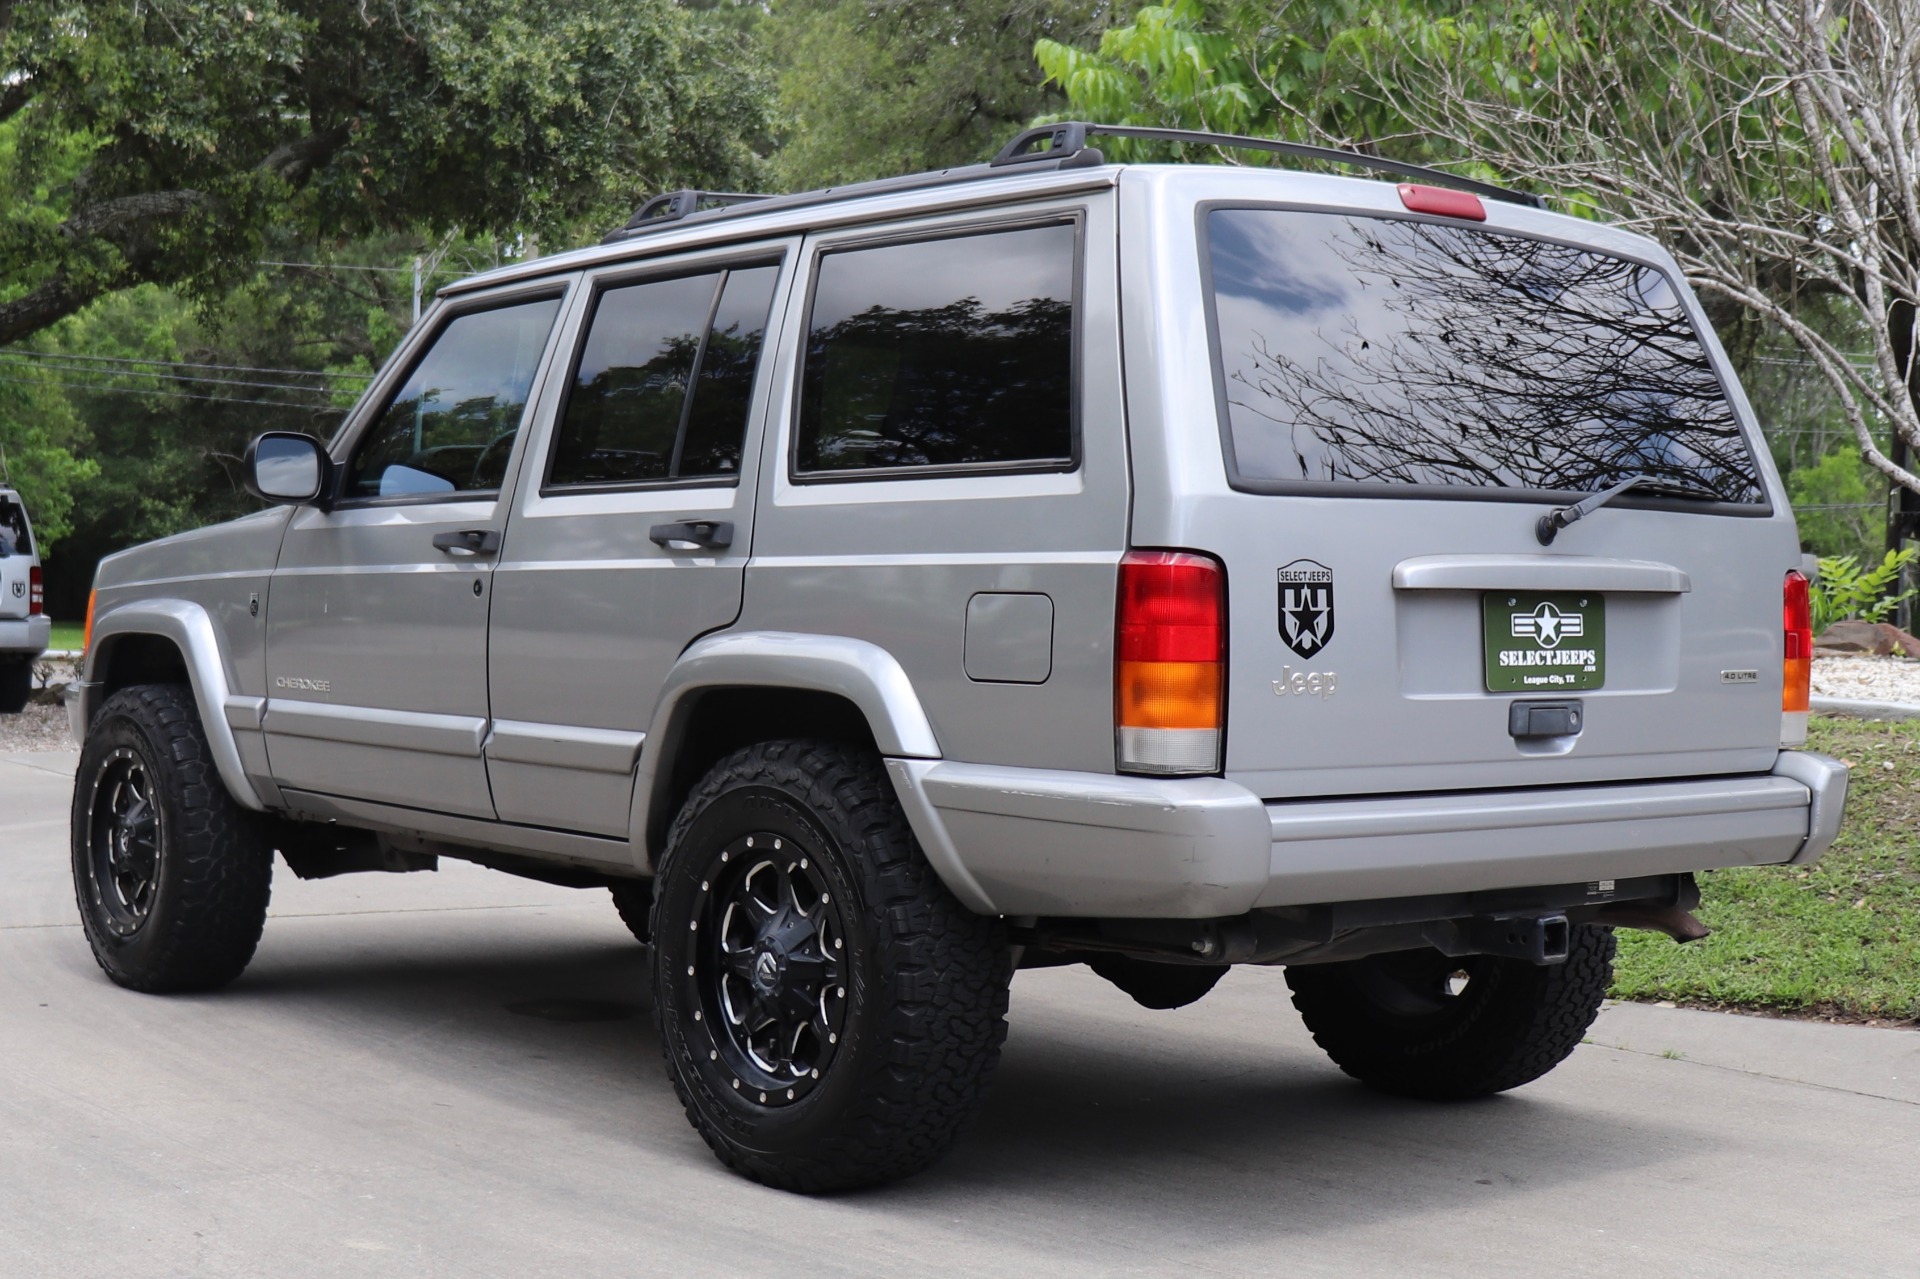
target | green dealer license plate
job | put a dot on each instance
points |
(1545, 642)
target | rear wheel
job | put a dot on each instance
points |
(16, 686)
(829, 1013)
(633, 898)
(171, 876)
(1421, 1024)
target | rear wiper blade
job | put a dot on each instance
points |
(1559, 517)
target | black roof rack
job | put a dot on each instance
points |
(671, 206)
(1066, 147)
(1068, 140)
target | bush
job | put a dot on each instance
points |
(1846, 591)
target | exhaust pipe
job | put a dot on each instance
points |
(1676, 922)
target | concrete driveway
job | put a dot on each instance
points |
(454, 1074)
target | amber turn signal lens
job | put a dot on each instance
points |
(86, 635)
(1169, 663)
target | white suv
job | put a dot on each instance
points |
(24, 625)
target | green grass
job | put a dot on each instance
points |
(67, 635)
(1840, 938)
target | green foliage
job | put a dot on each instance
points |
(876, 89)
(1839, 513)
(1847, 591)
(1841, 937)
(1292, 71)
(167, 143)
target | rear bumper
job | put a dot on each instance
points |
(24, 636)
(1016, 841)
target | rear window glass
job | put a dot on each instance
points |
(1387, 351)
(15, 538)
(942, 354)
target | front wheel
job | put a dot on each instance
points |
(171, 876)
(829, 1012)
(1420, 1024)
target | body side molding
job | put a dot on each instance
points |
(191, 630)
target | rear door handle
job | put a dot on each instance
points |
(714, 534)
(470, 541)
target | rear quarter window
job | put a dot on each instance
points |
(1386, 351)
(941, 354)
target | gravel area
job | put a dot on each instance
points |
(37, 728)
(1873, 679)
(40, 727)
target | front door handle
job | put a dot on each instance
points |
(714, 534)
(469, 541)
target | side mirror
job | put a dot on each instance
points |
(287, 468)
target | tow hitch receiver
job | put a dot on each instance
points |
(1536, 939)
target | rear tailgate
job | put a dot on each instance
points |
(16, 560)
(1400, 399)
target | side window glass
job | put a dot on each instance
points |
(630, 389)
(664, 380)
(450, 428)
(941, 353)
(722, 394)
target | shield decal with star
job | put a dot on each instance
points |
(1306, 606)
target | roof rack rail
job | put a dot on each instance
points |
(671, 206)
(1068, 143)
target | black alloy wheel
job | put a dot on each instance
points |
(124, 841)
(828, 1012)
(769, 966)
(170, 874)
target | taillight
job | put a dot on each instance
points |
(36, 592)
(1796, 667)
(1170, 652)
(86, 634)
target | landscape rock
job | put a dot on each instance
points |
(1878, 639)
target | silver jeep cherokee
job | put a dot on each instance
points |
(1052, 561)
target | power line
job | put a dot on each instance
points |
(155, 391)
(172, 377)
(337, 266)
(182, 364)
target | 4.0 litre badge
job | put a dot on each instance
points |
(1306, 606)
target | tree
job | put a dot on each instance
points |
(1276, 70)
(1774, 148)
(163, 141)
(875, 89)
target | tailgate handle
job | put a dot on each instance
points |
(1544, 719)
(714, 534)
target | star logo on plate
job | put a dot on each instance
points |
(1547, 626)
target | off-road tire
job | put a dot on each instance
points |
(213, 869)
(633, 898)
(924, 980)
(1512, 1023)
(1156, 985)
(16, 686)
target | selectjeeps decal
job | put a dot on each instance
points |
(1306, 606)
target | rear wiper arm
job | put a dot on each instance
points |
(1559, 517)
